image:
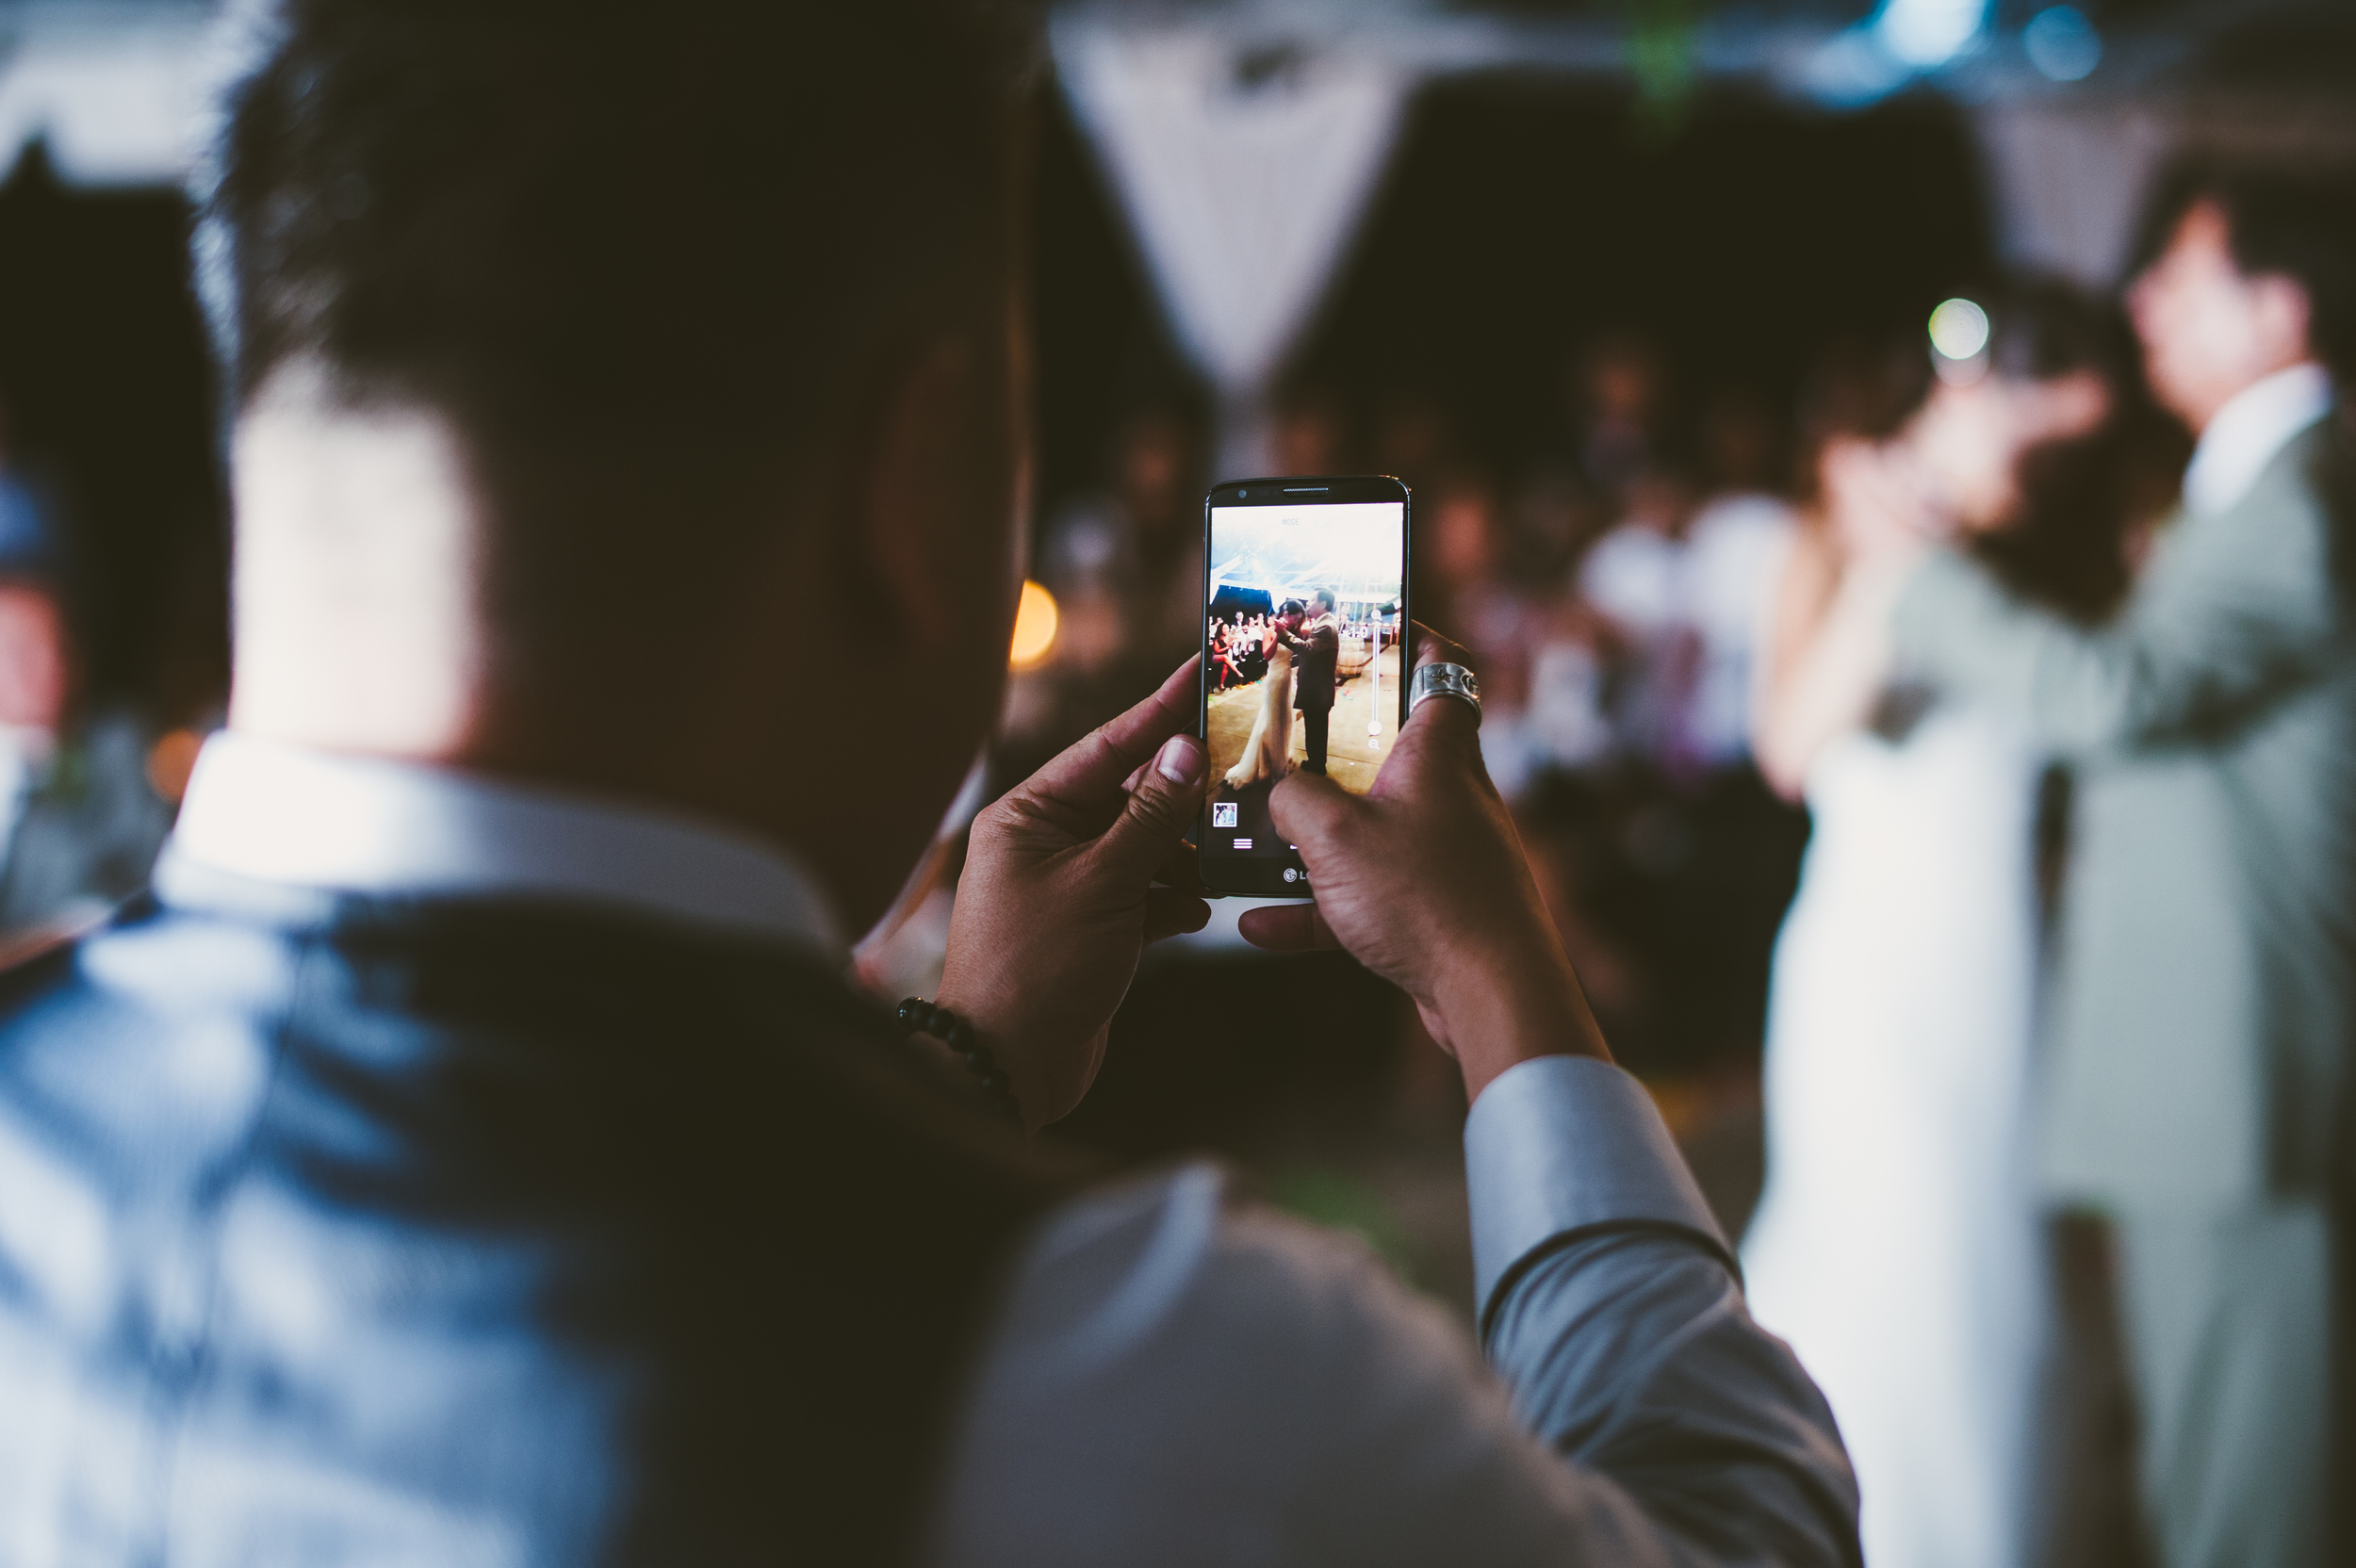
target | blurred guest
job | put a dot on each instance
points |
(1619, 396)
(1458, 567)
(1564, 682)
(1705, 854)
(1414, 438)
(1308, 432)
(1554, 519)
(1634, 572)
(2206, 1003)
(1742, 442)
(1734, 553)
(1898, 1245)
(79, 820)
(1636, 578)
(1518, 631)
(475, 1150)
(1687, 586)
(1125, 564)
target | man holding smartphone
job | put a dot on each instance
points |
(474, 1153)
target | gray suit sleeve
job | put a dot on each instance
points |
(1179, 1380)
(2235, 609)
(1610, 1307)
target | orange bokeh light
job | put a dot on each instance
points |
(1035, 622)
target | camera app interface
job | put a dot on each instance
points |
(1302, 657)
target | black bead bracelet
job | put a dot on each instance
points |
(920, 1017)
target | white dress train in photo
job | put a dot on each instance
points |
(1266, 754)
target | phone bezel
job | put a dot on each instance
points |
(1252, 877)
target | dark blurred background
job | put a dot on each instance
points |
(107, 390)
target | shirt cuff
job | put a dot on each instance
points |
(1560, 1145)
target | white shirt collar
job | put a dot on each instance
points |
(2243, 437)
(331, 823)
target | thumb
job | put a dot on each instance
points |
(1161, 808)
(1310, 809)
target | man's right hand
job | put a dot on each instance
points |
(1424, 881)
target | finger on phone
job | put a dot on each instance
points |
(1433, 648)
(1310, 809)
(1286, 928)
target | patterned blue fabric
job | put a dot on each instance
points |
(484, 1237)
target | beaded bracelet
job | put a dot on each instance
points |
(920, 1017)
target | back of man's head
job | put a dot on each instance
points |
(2299, 224)
(628, 251)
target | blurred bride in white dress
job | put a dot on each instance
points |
(1897, 1246)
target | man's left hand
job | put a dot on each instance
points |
(1059, 897)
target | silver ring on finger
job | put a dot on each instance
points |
(1444, 680)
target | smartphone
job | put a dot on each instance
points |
(1304, 655)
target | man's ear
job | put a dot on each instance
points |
(937, 502)
(2282, 318)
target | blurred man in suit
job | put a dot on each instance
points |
(473, 1154)
(2199, 1080)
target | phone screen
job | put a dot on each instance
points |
(1304, 618)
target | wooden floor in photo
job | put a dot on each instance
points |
(1353, 756)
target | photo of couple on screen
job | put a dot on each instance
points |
(1304, 655)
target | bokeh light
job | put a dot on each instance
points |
(1959, 330)
(2062, 43)
(1035, 622)
(1926, 34)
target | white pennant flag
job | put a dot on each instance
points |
(1244, 171)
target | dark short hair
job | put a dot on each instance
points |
(1325, 597)
(589, 210)
(618, 245)
(1859, 388)
(2294, 223)
(1292, 607)
(2065, 546)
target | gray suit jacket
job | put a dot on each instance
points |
(2206, 984)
